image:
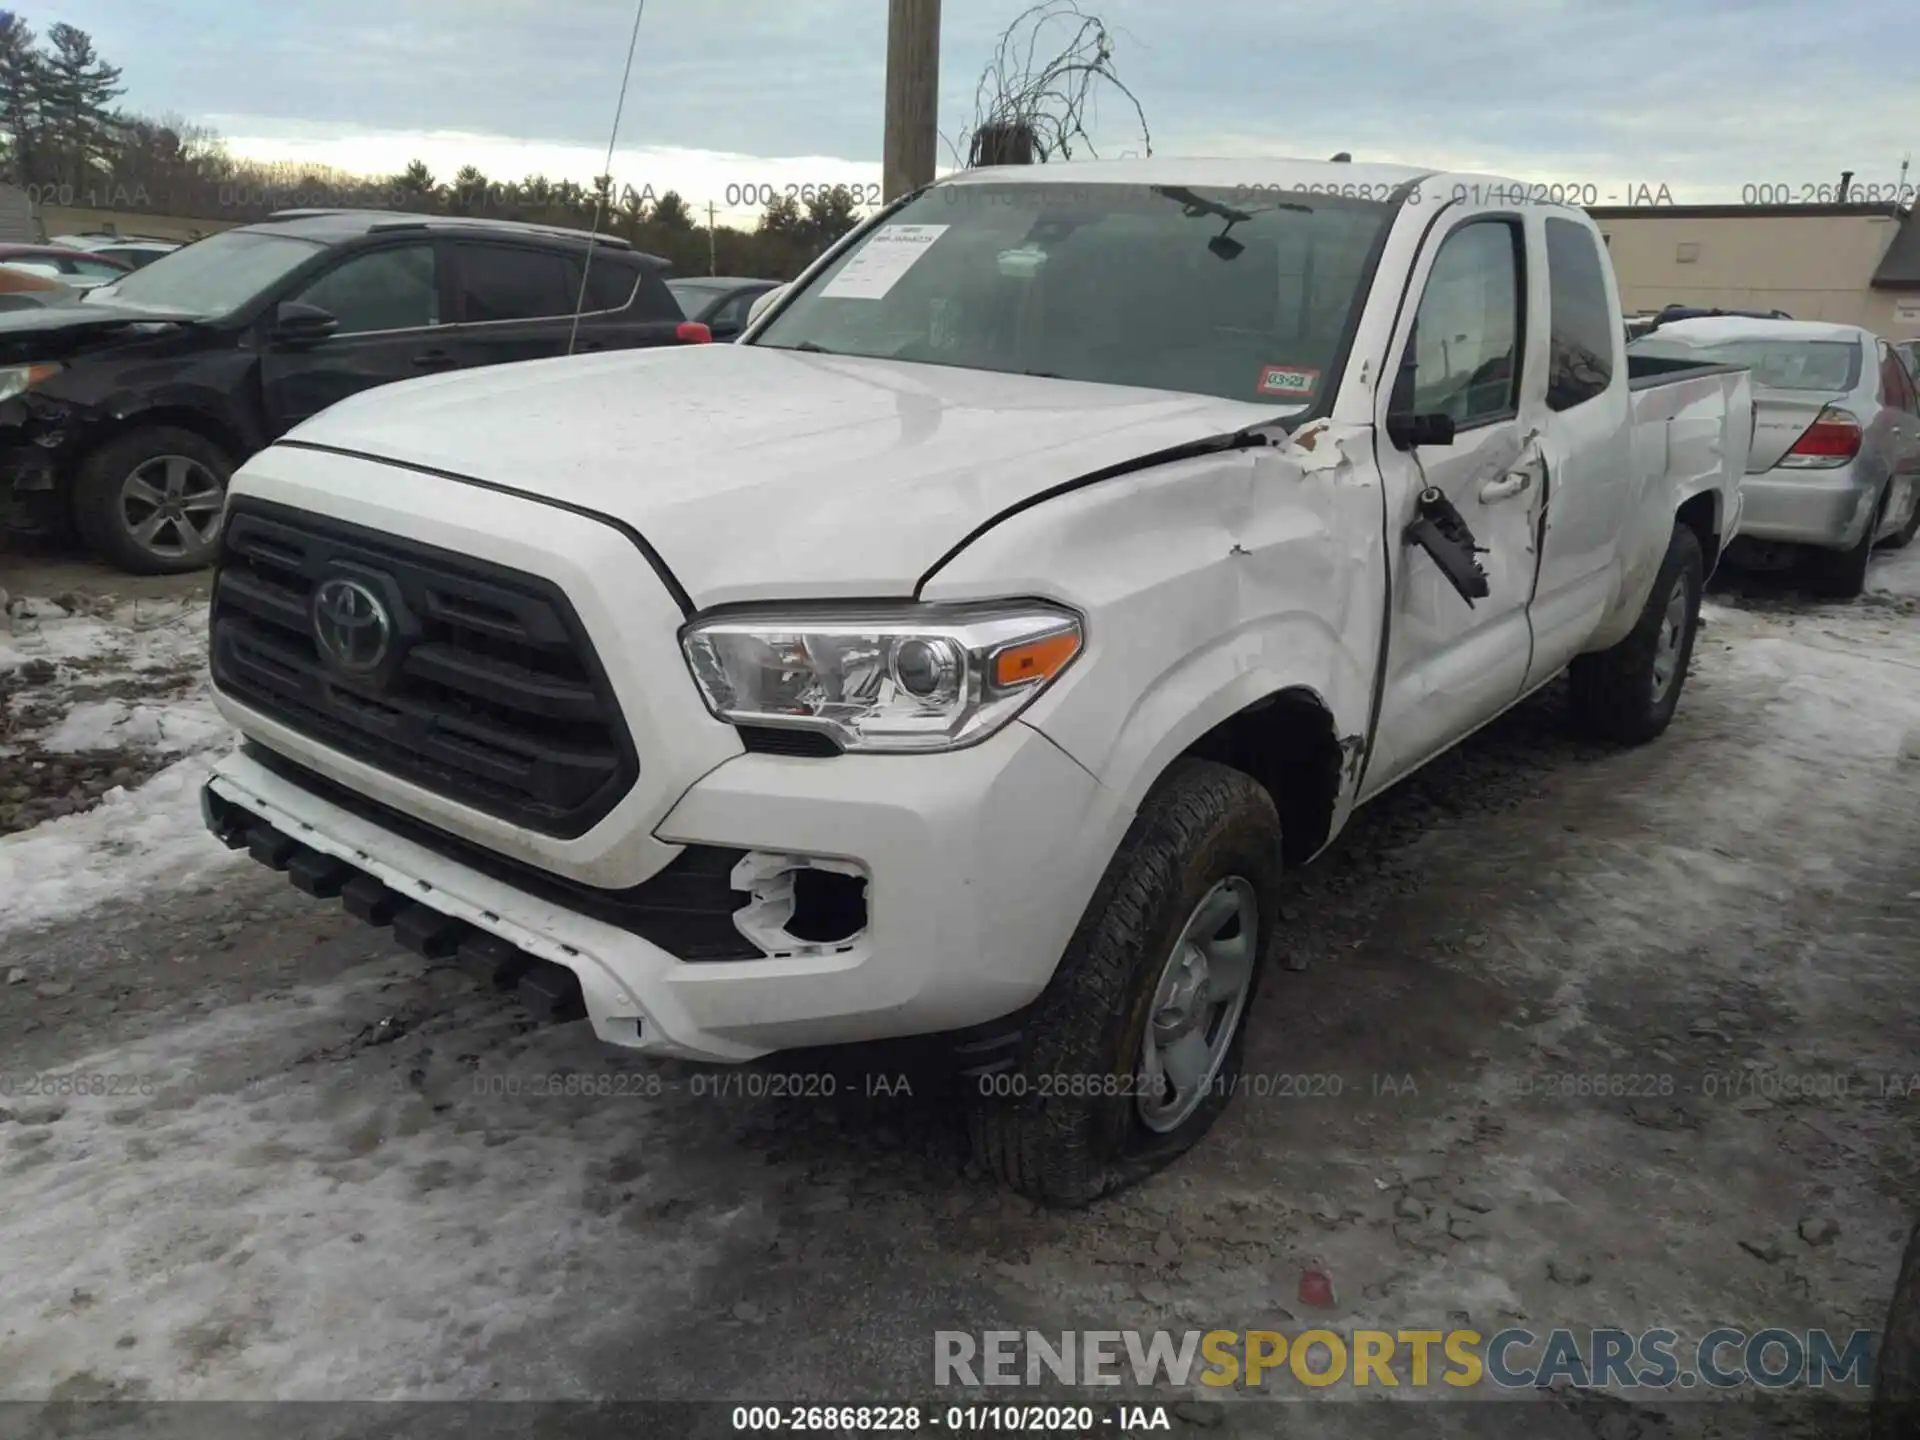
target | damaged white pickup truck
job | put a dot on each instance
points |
(964, 652)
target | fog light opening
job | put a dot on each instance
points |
(802, 904)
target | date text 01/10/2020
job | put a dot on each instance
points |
(1582, 194)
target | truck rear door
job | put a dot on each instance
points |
(1582, 422)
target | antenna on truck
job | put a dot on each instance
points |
(606, 171)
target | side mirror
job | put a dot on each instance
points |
(1410, 431)
(296, 323)
(761, 302)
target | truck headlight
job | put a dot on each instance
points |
(915, 678)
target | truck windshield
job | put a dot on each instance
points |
(210, 277)
(1243, 294)
(1822, 365)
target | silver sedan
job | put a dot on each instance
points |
(1835, 466)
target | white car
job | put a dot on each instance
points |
(965, 652)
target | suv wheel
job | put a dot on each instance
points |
(151, 501)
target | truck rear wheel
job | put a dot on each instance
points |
(1133, 1050)
(1628, 693)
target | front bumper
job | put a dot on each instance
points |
(1830, 509)
(978, 866)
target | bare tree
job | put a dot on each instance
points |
(1028, 108)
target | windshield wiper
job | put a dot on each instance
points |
(812, 349)
(1195, 206)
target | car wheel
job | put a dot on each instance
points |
(1896, 1374)
(1628, 693)
(1133, 1050)
(1840, 574)
(151, 501)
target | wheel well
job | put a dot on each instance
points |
(1288, 742)
(176, 417)
(1701, 515)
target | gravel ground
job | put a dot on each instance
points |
(320, 1172)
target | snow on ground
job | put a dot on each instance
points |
(132, 637)
(1896, 572)
(302, 1183)
(152, 835)
(109, 728)
(230, 1219)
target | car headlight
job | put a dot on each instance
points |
(916, 678)
(18, 379)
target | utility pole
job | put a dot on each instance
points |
(711, 265)
(913, 97)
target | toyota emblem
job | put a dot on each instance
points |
(351, 625)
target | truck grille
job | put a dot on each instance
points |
(489, 693)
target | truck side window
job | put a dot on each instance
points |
(1580, 344)
(391, 289)
(1466, 335)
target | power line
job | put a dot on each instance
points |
(606, 174)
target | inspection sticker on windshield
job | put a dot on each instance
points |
(882, 261)
(1284, 380)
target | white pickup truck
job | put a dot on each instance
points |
(964, 652)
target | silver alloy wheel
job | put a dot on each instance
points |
(171, 505)
(1197, 1003)
(1666, 645)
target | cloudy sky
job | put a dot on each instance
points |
(1706, 97)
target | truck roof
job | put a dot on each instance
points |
(1278, 173)
(1215, 173)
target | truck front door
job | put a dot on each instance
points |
(1462, 351)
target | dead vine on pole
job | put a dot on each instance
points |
(1028, 109)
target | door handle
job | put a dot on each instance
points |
(433, 360)
(1514, 482)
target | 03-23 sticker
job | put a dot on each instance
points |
(1288, 380)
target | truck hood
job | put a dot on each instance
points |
(759, 473)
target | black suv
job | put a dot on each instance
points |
(123, 412)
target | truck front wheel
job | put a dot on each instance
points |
(1133, 1050)
(1629, 692)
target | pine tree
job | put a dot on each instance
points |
(22, 94)
(80, 87)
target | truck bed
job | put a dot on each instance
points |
(1644, 372)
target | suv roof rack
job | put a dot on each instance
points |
(458, 222)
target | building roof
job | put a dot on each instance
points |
(1900, 267)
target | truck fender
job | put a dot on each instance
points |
(1209, 585)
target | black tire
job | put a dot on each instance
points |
(102, 497)
(1840, 574)
(1202, 824)
(1614, 691)
(1903, 537)
(1896, 1378)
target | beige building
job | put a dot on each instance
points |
(1853, 264)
